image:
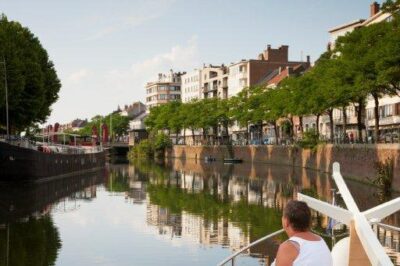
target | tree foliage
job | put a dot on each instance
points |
(32, 80)
(117, 124)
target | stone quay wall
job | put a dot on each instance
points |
(357, 161)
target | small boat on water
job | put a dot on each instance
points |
(22, 159)
(209, 159)
(232, 160)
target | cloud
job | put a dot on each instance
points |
(78, 76)
(90, 94)
(143, 12)
(179, 58)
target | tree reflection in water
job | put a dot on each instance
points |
(28, 235)
(219, 204)
(34, 241)
(227, 205)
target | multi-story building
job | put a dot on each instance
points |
(271, 66)
(389, 106)
(166, 88)
(133, 110)
(259, 71)
(191, 86)
(214, 82)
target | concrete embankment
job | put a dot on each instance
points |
(358, 161)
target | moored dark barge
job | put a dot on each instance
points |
(22, 162)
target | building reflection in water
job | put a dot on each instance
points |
(226, 205)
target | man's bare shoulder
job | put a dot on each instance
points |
(287, 253)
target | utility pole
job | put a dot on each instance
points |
(6, 89)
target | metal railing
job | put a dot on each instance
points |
(232, 257)
(386, 226)
(54, 147)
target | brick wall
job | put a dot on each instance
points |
(357, 161)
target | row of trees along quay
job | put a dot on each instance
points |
(364, 63)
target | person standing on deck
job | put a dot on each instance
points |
(303, 248)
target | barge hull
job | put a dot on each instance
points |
(18, 163)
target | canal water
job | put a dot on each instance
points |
(175, 213)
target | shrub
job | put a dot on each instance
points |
(310, 140)
(148, 148)
(384, 176)
(143, 149)
(162, 142)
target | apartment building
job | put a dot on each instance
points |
(259, 71)
(214, 82)
(191, 86)
(270, 67)
(389, 106)
(166, 88)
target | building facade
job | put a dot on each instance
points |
(270, 67)
(269, 64)
(214, 83)
(166, 88)
(133, 110)
(191, 86)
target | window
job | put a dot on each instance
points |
(162, 97)
(397, 109)
(370, 114)
(386, 110)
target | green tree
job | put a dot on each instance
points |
(362, 50)
(33, 84)
(240, 110)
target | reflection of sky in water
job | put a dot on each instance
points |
(112, 231)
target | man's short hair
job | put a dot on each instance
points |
(298, 215)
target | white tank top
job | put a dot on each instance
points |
(311, 253)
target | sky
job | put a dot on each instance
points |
(105, 51)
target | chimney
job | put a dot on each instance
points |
(269, 47)
(289, 70)
(308, 59)
(329, 46)
(374, 9)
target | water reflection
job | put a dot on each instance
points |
(202, 212)
(231, 206)
(28, 235)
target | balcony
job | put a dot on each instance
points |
(385, 121)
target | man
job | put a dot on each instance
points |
(303, 247)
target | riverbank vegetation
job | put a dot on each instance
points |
(363, 64)
(155, 146)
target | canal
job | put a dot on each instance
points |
(175, 213)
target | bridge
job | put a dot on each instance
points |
(117, 148)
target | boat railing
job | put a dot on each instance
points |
(231, 259)
(66, 149)
(52, 147)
